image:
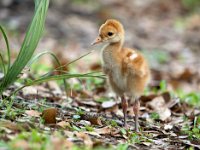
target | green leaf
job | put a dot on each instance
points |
(163, 86)
(89, 128)
(122, 147)
(75, 128)
(102, 99)
(154, 115)
(123, 131)
(36, 57)
(8, 49)
(3, 66)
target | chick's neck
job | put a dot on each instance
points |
(116, 47)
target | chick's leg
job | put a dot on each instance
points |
(136, 108)
(124, 107)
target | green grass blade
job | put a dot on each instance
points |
(36, 57)
(2, 64)
(7, 46)
(62, 76)
(29, 45)
(75, 60)
(58, 77)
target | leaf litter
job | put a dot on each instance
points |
(94, 123)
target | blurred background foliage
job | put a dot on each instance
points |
(166, 31)
(192, 4)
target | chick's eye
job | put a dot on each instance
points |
(110, 33)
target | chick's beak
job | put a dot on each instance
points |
(97, 40)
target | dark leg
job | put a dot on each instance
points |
(124, 107)
(136, 108)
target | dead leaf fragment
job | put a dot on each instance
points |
(168, 126)
(21, 144)
(30, 90)
(104, 130)
(186, 75)
(86, 139)
(108, 104)
(63, 124)
(87, 102)
(95, 66)
(10, 125)
(166, 96)
(33, 113)
(95, 119)
(49, 115)
(85, 123)
(54, 88)
(159, 106)
(59, 143)
(147, 143)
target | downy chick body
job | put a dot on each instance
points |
(127, 70)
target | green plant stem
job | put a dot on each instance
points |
(56, 77)
(56, 69)
(36, 57)
(3, 64)
(8, 48)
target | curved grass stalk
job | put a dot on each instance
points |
(62, 76)
(57, 77)
(3, 64)
(8, 49)
(36, 57)
(58, 68)
(74, 60)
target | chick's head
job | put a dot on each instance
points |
(111, 31)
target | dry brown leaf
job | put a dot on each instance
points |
(166, 96)
(21, 144)
(63, 124)
(95, 66)
(159, 106)
(54, 87)
(99, 90)
(33, 113)
(49, 115)
(93, 118)
(104, 130)
(93, 133)
(148, 98)
(113, 109)
(87, 102)
(69, 133)
(60, 144)
(147, 143)
(85, 94)
(84, 123)
(30, 90)
(186, 75)
(10, 125)
(86, 139)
